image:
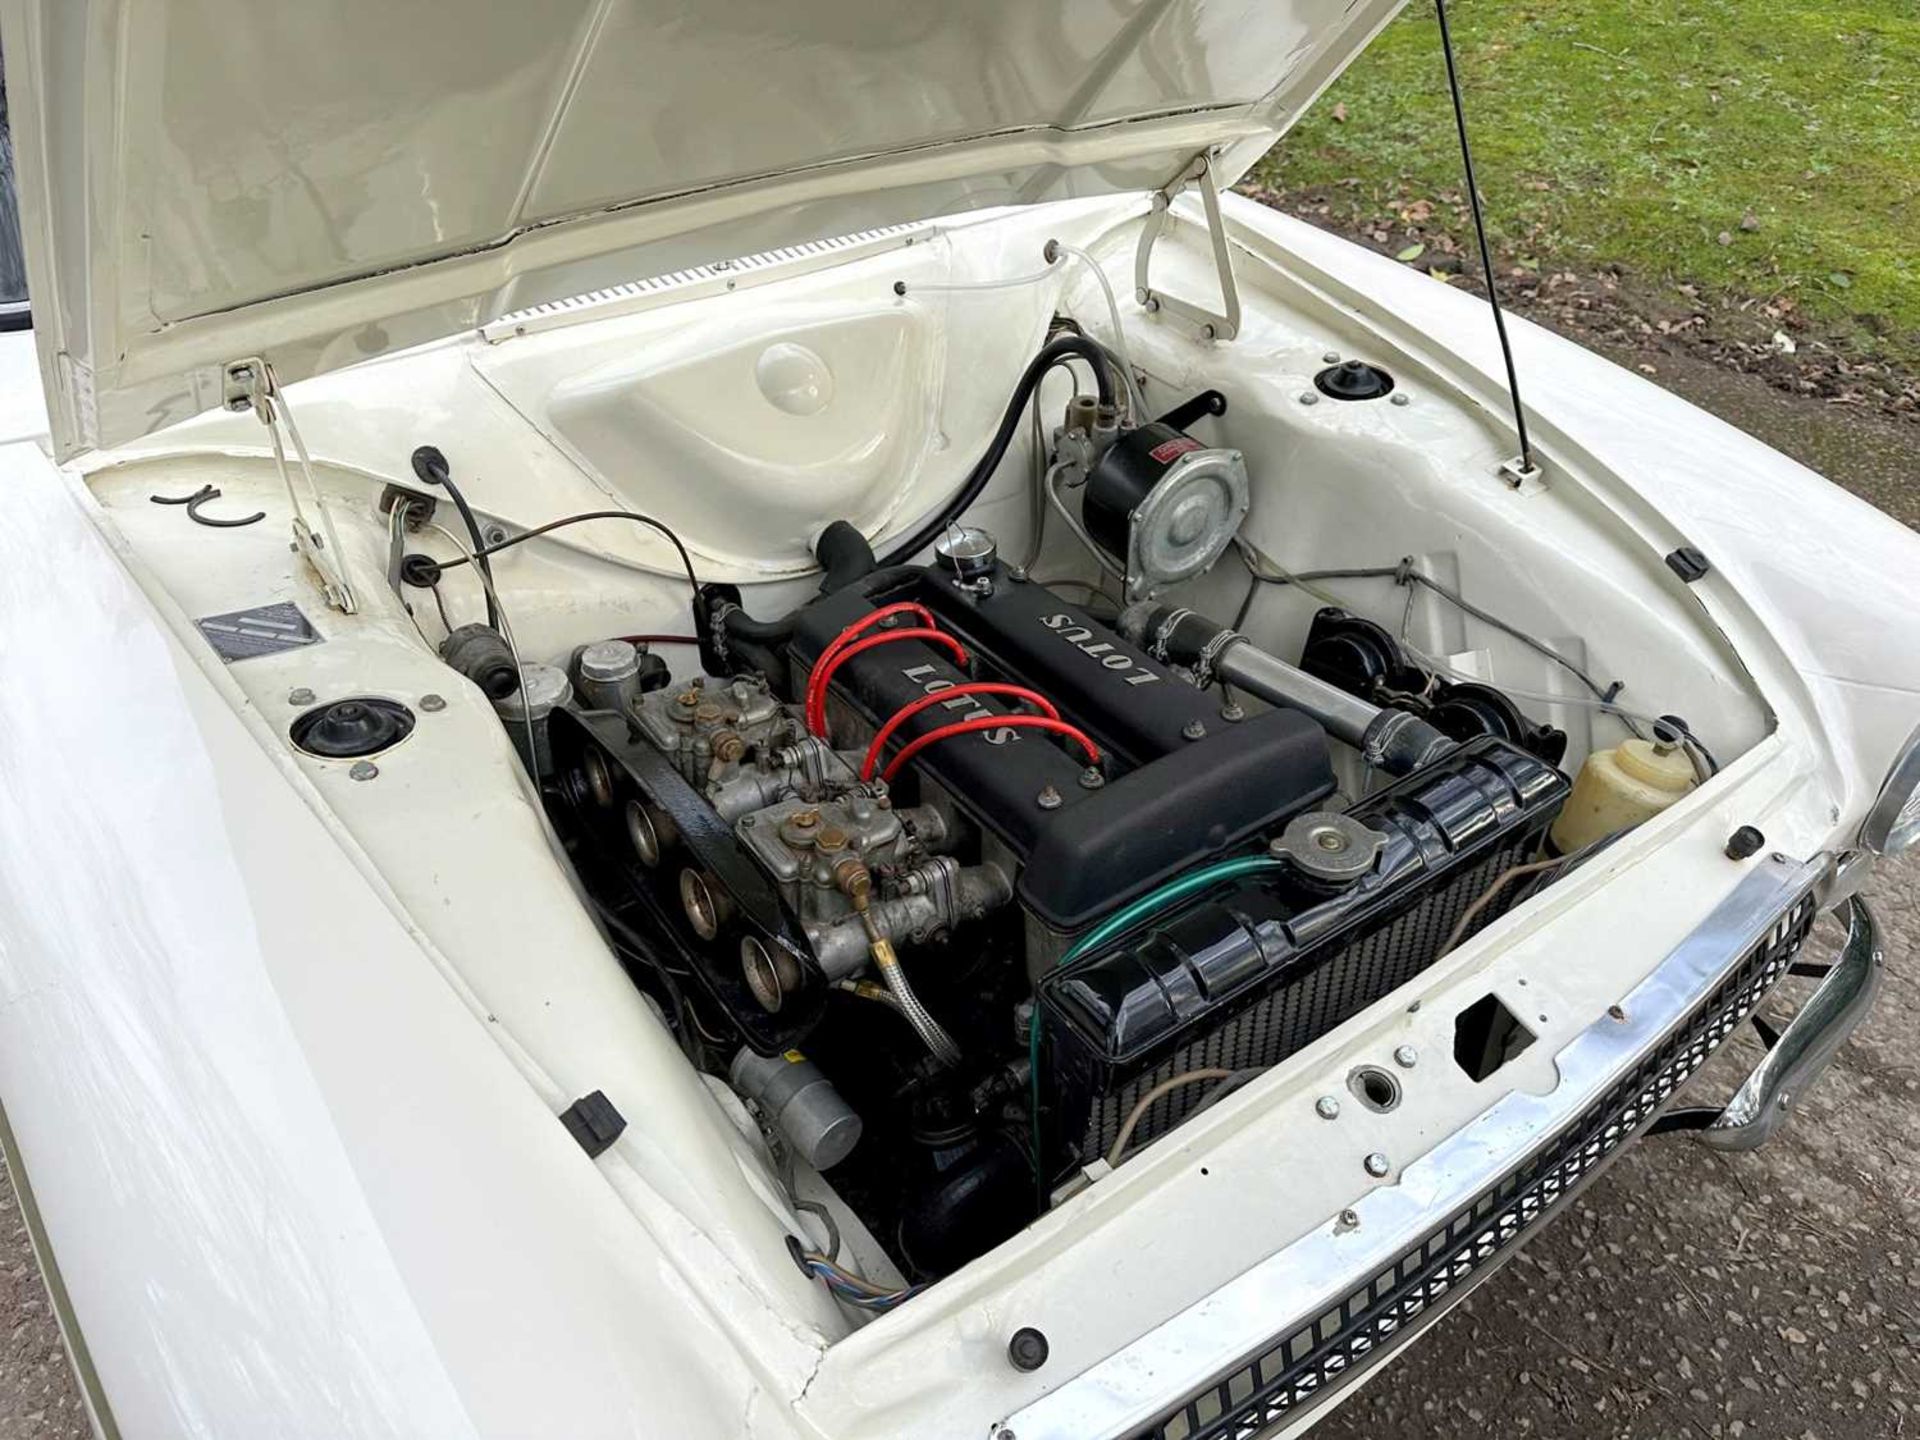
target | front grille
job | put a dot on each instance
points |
(1301, 1366)
(1302, 1010)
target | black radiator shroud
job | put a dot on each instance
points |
(1246, 974)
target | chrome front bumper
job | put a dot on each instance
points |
(1798, 1055)
(1262, 1350)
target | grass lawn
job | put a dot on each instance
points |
(1754, 148)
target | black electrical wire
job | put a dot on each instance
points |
(432, 468)
(483, 552)
(1050, 353)
(630, 944)
(440, 605)
(1246, 600)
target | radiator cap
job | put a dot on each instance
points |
(1330, 847)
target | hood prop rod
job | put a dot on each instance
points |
(1521, 470)
(250, 384)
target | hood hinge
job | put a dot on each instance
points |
(1215, 327)
(250, 385)
(74, 382)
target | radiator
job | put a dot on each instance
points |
(1241, 977)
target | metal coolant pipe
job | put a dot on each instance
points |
(1394, 740)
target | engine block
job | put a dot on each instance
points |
(1181, 778)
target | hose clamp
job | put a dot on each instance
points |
(1157, 641)
(1379, 736)
(1210, 654)
(717, 614)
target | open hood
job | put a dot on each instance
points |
(322, 182)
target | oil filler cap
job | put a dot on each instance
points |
(354, 728)
(1353, 380)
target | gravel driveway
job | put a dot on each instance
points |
(1687, 1293)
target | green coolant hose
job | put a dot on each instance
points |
(1125, 919)
(1166, 894)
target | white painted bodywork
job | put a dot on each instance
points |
(335, 180)
(281, 1050)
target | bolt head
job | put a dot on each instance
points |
(1332, 357)
(1233, 712)
(1349, 1219)
(432, 703)
(1194, 730)
(1091, 779)
(1406, 1057)
(1616, 1014)
(1307, 397)
(363, 770)
(1327, 1108)
(1048, 798)
(1377, 1165)
(302, 696)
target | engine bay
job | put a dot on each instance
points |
(1151, 744)
(959, 954)
(970, 889)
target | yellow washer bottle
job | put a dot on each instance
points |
(1617, 789)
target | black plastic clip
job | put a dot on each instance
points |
(593, 1122)
(200, 497)
(1688, 563)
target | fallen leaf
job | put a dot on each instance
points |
(1783, 342)
(1340, 114)
(1841, 279)
(1726, 237)
(1749, 222)
(1411, 253)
